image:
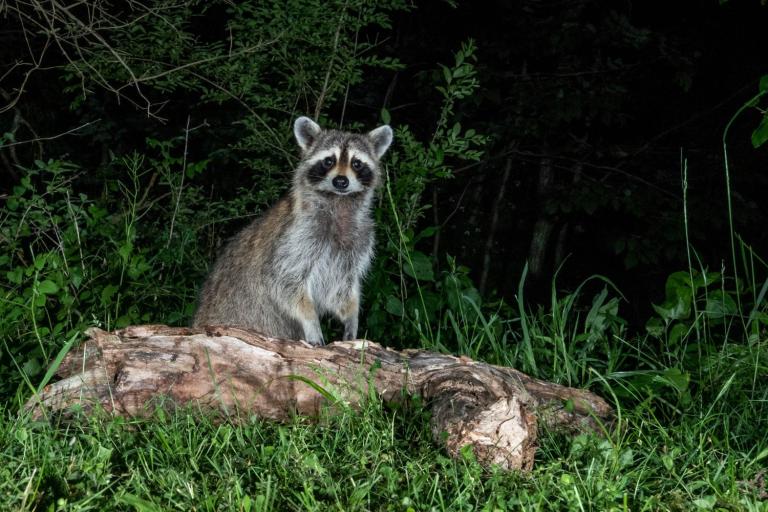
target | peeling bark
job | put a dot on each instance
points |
(240, 373)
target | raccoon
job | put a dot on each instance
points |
(306, 257)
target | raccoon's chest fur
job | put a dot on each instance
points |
(330, 249)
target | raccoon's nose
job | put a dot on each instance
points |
(340, 182)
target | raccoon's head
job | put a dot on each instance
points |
(335, 162)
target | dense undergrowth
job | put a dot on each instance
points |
(690, 391)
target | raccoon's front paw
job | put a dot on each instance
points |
(316, 342)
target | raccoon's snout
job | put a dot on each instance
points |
(340, 182)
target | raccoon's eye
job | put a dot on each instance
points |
(357, 164)
(328, 162)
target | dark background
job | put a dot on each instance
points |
(591, 108)
(568, 81)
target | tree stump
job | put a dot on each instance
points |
(237, 372)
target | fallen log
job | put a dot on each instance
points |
(237, 372)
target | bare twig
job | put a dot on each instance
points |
(79, 36)
(571, 161)
(324, 91)
(51, 137)
(176, 69)
(494, 225)
(109, 48)
(267, 127)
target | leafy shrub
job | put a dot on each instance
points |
(406, 292)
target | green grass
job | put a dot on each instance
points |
(691, 434)
(376, 459)
(691, 431)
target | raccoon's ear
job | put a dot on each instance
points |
(381, 138)
(306, 132)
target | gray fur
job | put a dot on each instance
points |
(306, 257)
(306, 131)
(381, 138)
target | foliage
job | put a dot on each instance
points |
(405, 288)
(760, 135)
(72, 261)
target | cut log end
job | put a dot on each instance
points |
(494, 410)
(503, 434)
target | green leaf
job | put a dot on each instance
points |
(193, 169)
(385, 117)
(21, 434)
(467, 453)
(760, 456)
(676, 333)
(705, 503)
(679, 297)
(125, 251)
(447, 74)
(678, 284)
(47, 287)
(426, 233)
(669, 312)
(32, 367)
(40, 260)
(325, 393)
(15, 275)
(138, 504)
(394, 306)
(764, 83)
(720, 304)
(57, 362)
(674, 378)
(424, 307)
(459, 58)
(419, 266)
(626, 458)
(760, 135)
(107, 293)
